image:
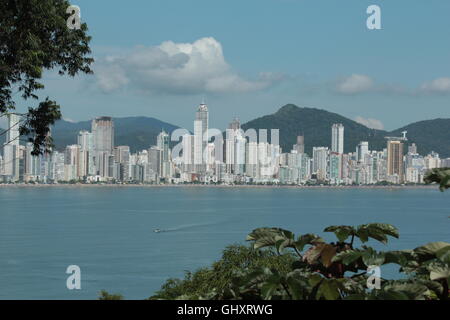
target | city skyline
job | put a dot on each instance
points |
(210, 156)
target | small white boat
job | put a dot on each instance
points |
(157, 230)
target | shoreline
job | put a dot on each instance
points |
(395, 187)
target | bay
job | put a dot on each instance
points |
(109, 231)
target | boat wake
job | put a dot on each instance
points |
(185, 227)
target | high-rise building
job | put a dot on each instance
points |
(11, 156)
(235, 124)
(432, 161)
(362, 150)
(230, 145)
(86, 143)
(155, 160)
(395, 166)
(251, 160)
(188, 153)
(201, 138)
(337, 138)
(32, 164)
(122, 158)
(103, 131)
(71, 162)
(335, 168)
(300, 145)
(412, 149)
(163, 144)
(320, 162)
(239, 154)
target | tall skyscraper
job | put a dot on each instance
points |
(163, 144)
(320, 162)
(239, 154)
(154, 160)
(72, 162)
(335, 168)
(230, 145)
(300, 145)
(11, 149)
(235, 124)
(103, 131)
(122, 158)
(188, 153)
(395, 158)
(337, 138)
(201, 138)
(361, 150)
(86, 142)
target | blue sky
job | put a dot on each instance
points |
(251, 57)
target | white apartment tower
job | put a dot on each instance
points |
(337, 138)
(11, 149)
(201, 138)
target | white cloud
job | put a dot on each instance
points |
(180, 68)
(440, 85)
(69, 120)
(356, 83)
(370, 123)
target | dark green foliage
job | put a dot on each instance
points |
(37, 125)
(440, 176)
(235, 259)
(34, 37)
(280, 265)
(104, 295)
(315, 125)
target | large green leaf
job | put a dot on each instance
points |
(271, 237)
(371, 257)
(306, 239)
(347, 257)
(298, 284)
(430, 250)
(439, 271)
(444, 254)
(341, 232)
(329, 289)
(377, 231)
(324, 251)
(414, 291)
(398, 257)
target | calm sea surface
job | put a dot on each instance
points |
(108, 232)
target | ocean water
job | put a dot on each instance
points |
(108, 232)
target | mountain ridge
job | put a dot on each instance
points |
(315, 124)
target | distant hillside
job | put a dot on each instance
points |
(429, 135)
(137, 132)
(315, 125)
(140, 132)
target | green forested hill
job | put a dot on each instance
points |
(429, 135)
(315, 125)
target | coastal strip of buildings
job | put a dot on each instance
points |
(239, 158)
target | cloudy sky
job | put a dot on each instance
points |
(247, 58)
